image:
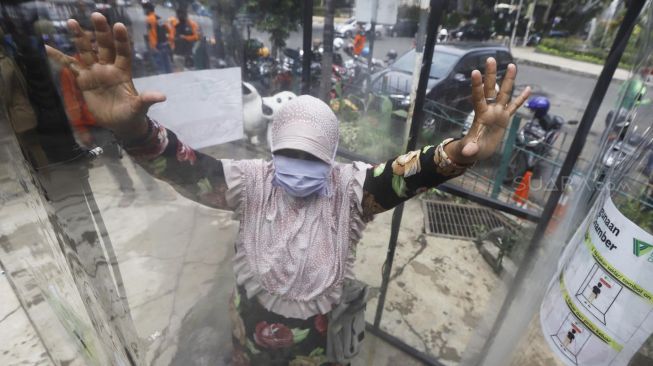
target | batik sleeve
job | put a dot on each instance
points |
(193, 174)
(399, 179)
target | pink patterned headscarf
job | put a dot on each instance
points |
(308, 124)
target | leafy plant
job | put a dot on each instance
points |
(408, 12)
(577, 49)
(640, 211)
(367, 126)
(277, 17)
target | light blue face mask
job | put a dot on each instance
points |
(301, 178)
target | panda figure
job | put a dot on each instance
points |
(258, 112)
(254, 122)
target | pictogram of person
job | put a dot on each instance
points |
(570, 337)
(596, 290)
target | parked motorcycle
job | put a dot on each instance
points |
(359, 72)
(619, 150)
(620, 147)
(318, 52)
(290, 70)
(535, 139)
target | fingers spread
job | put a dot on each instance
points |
(104, 37)
(506, 85)
(122, 47)
(82, 43)
(62, 59)
(478, 96)
(512, 108)
(489, 83)
(58, 56)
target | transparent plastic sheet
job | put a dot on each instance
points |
(153, 269)
(523, 326)
(57, 324)
(443, 290)
(170, 258)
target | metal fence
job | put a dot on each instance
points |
(491, 177)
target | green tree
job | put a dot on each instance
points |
(277, 17)
(327, 57)
(575, 14)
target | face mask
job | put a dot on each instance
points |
(299, 177)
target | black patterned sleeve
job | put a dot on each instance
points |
(194, 175)
(399, 179)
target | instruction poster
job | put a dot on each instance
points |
(599, 308)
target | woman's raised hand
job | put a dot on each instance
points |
(492, 114)
(105, 79)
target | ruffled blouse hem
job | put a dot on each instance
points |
(289, 308)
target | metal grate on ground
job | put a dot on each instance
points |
(461, 221)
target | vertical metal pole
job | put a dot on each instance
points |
(419, 53)
(435, 15)
(374, 11)
(529, 24)
(505, 156)
(514, 28)
(602, 84)
(307, 16)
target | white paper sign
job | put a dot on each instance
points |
(599, 309)
(386, 12)
(204, 108)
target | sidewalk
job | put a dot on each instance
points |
(319, 20)
(528, 56)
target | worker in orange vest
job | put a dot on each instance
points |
(359, 41)
(157, 39)
(184, 33)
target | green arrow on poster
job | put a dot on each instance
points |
(640, 247)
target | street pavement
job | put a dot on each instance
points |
(528, 56)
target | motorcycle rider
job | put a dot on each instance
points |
(540, 107)
(391, 57)
(359, 41)
(534, 140)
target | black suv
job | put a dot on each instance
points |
(449, 84)
(403, 28)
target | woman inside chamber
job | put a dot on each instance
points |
(301, 214)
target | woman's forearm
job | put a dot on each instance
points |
(194, 175)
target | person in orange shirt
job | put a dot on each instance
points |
(90, 136)
(157, 39)
(184, 33)
(359, 41)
